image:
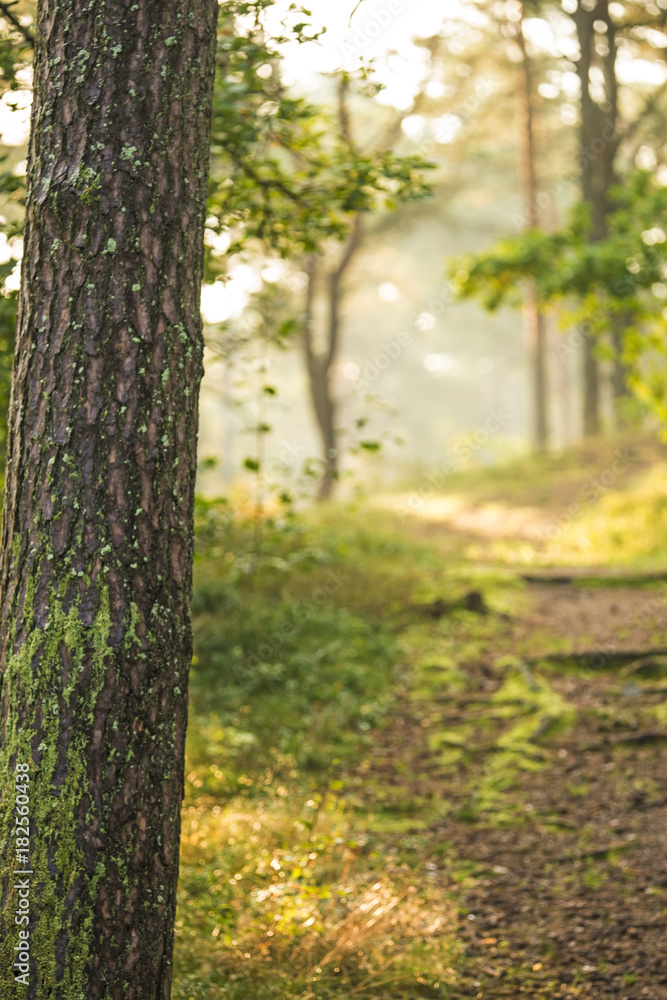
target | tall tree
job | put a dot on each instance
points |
(597, 169)
(301, 187)
(534, 319)
(95, 571)
(577, 261)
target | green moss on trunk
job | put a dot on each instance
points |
(95, 574)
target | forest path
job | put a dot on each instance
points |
(530, 765)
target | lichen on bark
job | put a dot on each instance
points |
(95, 572)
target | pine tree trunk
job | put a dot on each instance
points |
(95, 571)
(535, 327)
(329, 442)
(598, 149)
(534, 323)
(591, 383)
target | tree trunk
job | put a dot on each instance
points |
(564, 386)
(319, 364)
(619, 378)
(619, 322)
(591, 383)
(535, 327)
(320, 393)
(534, 323)
(599, 145)
(97, 536)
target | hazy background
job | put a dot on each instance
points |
(461, 362)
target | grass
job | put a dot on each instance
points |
(598, 505)
(276, 906)
(297, 660)
(308, 859)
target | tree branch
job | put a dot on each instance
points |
(334, 282)
(355, 11)
(266, 183)
(6, 12)
(648, 109)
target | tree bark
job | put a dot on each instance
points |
(590, 190)
(534, 323)
(598, 149)
(97, 536)
(319, 364)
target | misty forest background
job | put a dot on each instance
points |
(435, 294)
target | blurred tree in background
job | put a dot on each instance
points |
(592, 260)
(289, 179)
(323, 181)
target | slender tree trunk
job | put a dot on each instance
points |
(535, 326)
(619, 323)
(95, 571)
(324, 406)
(565, 399)
(599, 145)
(590, 194)
(534, 323)
(591, 380)
(620, 389)
(320, 364)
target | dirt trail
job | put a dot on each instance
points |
(547, 779)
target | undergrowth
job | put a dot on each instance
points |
(311, 864)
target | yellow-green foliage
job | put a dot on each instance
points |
(286, 899)
(303, 868)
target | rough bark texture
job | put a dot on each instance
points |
(95, 572)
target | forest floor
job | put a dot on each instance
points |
(454, 782)
(544, 781)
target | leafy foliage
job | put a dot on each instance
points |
(564, 264)
(284, 172)
(623, 275)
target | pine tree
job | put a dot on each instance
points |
(97, 539)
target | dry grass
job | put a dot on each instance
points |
(308, 905)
